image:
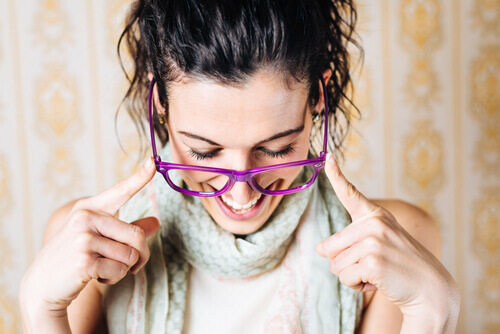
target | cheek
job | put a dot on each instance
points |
(283, 173)
(192, 178)
(285, 176)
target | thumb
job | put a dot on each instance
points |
(149, 224)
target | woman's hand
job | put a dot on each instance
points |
(375, 252)
(92, 244)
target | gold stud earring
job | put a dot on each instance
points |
(161, 119)
(316, 117)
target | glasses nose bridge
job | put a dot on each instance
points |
(241, 177)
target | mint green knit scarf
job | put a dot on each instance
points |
(153, 300)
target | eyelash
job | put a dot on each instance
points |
(281, 154)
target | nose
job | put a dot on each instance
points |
(241, 193)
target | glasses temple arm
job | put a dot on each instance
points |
(151, 128)
(325, 136)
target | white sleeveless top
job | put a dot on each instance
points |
(216, 305)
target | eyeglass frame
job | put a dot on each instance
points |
(245, 175)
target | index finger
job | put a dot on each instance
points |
(355, 202)
(115, 197)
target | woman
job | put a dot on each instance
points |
(246, 232)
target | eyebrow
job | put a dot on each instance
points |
(274, 137)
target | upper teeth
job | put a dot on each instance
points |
(238, 206)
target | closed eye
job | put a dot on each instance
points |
(202, 156)
(273, 154)
(280, 154)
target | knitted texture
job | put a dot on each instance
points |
(310, 299)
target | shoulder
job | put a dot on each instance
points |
(417, 222)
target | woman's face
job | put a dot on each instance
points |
(264, 123)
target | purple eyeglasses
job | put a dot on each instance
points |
(260, 179)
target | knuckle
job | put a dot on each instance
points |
(383, 229)
(373, 244)
(133, 256)
(83, 241)
(112, 280)
(373, 262)
(334, 267)
(351, 190)
(387, 214)
(79, 204)
(335, 237)
(82, 203)
(379, 225)
(122, 271)
(380, 211)
(342, 277)
(387, 233)
(137, 232)
(108, 249)
(85, 262)
(79, 217)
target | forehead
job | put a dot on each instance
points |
(265, 105)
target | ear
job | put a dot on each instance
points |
(321, 101)
(156, 98)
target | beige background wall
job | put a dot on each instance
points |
(429, 94)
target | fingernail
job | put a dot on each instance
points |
(319, 248)
(331, 159)
(149, 163)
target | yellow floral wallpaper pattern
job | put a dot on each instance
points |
(429, 93)
(484, 85)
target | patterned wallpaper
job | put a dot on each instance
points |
(429, 93)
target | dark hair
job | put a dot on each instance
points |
(228, 41)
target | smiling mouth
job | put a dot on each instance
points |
(241, 209)
(244, 211)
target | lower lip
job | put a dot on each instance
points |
(247, 215)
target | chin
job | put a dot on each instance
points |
(239, 228)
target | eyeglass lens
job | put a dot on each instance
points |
(276, 179)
